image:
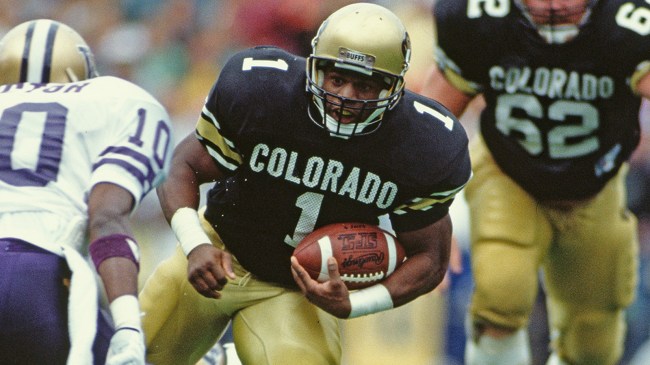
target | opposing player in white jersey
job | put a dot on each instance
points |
(77, 154)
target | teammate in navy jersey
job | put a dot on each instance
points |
(562, 82)
(77, 154)
(292, 151)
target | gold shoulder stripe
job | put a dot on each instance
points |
(424, 203)
(460, 83)
(209, 132)
(453, 73)
(427, 203)
(642, 70)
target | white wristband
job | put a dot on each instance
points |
(187, 228)
(126, 312)
(370, 300)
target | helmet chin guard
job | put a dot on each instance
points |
(361, 126)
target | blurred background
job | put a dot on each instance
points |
(175, 48)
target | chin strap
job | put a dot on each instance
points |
(558, 34)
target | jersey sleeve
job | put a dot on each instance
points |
(210, 132)
(213, 131)
(451, 44)
(630, 31)
(238, 97)
(431, 208)
(467, 35)
(139, 147)
(441, 166)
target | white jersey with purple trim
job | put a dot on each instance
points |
(58, 140)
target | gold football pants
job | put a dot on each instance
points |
(271, 324)
(588, 256)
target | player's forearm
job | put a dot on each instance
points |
(439, 89)
(191, 166)
(119, 276)
(179, 190)
(418, 275)
(428, 252)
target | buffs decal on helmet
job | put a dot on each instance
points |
(365, 38)
(42, 51)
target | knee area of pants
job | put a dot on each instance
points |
(507, 288)
(594, 338)
(500, 274)
(501, 308)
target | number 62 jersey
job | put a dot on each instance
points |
(560, 118)
(58, 140)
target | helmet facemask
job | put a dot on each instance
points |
(366, 39)
(328, 109)
(556, 25)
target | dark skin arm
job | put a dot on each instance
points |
(428, 252)
(109, 207)
(191, 166)
(438, 88)
(643, 86)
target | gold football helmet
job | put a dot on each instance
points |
(366, 38)
(42, 51)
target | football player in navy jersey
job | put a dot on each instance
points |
(562, 82)
(293, 144)
(77, 153)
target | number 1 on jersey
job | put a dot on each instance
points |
(445, 119)
(249, 63)
(310, 204)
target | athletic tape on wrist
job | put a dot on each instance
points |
(370, 300)
(114, 245)
(126, 313)
(187, 228)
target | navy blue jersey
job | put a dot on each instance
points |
(287, 175)
(560, 118)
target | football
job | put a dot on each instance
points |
(366, 254)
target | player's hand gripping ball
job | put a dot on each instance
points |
(366, 254)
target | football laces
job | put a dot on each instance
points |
(363, 278)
